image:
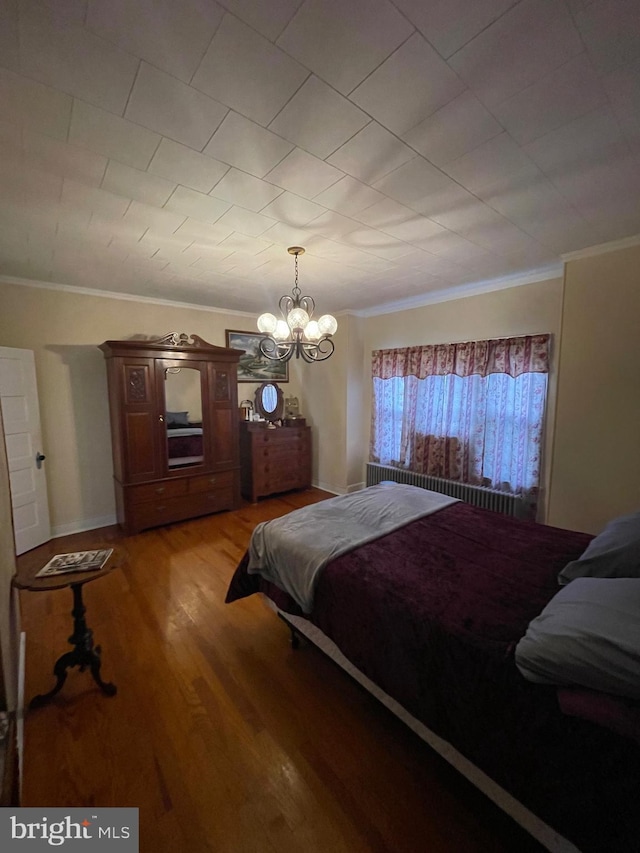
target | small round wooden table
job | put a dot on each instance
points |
(85, 654)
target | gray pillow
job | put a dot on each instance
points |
(614, 553)
(587, 635)
(177, 418)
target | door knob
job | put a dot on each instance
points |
(39, 460)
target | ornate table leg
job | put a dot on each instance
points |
(83, 655)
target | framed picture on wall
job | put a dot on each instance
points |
(253, 366)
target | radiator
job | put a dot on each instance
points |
(476, 495)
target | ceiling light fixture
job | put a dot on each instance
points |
(296, 332)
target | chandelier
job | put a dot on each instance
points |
(296, 332)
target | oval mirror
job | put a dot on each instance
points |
(269, 401)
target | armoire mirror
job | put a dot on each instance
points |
(269, 401)
(183, 416)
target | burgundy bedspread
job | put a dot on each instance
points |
(180, 446)
(431, 613)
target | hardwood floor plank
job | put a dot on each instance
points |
(225, 738)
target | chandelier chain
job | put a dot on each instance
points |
(296, 290)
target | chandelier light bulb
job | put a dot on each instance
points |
(312, 331)
(267, 323)
(281, 331)
(297, 319)
(327, 324)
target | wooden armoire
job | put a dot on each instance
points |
(174, 392)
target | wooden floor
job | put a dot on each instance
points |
(225, 738)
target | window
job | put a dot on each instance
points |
(471, 412)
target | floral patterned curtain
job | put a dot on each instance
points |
(472, 412)
(513, 356)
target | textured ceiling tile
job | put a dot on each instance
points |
(202, 233)
(64, 159)
(384, 213)
(526, 43)
(163, 221)
(82, 197)
(333, 225)
(243, 189)
(34, 105)
(412, 83)
(450, 24)
(378, 243)
(595, 136)
(610, 30)
(136, 184)
(243, 143)
(496, 161)
(415, 230)
(112, 136)
(293, 209)
(170, 34)
(454, 130)
(270, 18)
(304, 174)
(371, 154)
(413, 182)
(361, 35)
(183, 165)
(9, 57)
(164, 104)
(197, 205)
(318, 119)
(247, 73)
(75, 61)
(566, 93)
(245, 221)
(349, 196)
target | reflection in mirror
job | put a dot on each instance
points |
(183, 416)
(269, 401)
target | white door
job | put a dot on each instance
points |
(21, 416)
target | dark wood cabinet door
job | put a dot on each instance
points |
(140, 419)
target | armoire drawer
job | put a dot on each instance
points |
(207, 482)
(157, 491)
(167, 511)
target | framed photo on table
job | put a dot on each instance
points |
(253, 366)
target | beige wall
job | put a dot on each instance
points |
(524, 310)
(64, 330)
(596, 457)
(9, 611)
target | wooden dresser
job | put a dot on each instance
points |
(274, 460)
(174, 426)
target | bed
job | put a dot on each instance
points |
(427, 617)
(184, 445)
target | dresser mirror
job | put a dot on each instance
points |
(183, 416)
(269, 401)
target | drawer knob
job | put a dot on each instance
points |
(160, 508)
(160, 490)
(212, 480)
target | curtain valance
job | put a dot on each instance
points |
(513, 356)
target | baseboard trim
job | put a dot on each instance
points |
(326, 487)
(20, 708)
(81, 525)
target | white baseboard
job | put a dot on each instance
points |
(82, 524)
(326, 487)
(336, 490)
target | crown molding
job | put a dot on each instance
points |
(602, 248)
(460, 292)
(126, 297)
